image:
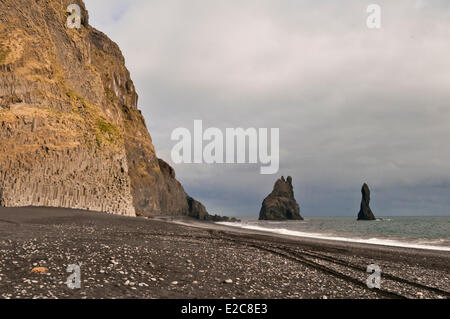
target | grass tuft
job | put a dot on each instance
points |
(3, 54)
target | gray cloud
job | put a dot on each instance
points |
(352, 104)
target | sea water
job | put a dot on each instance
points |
(412, 232)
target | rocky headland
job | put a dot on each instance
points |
(71, 133)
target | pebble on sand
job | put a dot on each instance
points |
(39, 270)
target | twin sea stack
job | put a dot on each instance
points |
(281, 203)
(71, 134)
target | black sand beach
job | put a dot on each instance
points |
(123, 257)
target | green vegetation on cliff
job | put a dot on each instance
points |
(3, 54)
(103, 130)
(108, 130)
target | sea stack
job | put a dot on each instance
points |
(365, 213)
(281, 203)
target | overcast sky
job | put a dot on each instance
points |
(353, 104)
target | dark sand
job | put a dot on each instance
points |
(122, 257)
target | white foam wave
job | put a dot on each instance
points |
(372, 241)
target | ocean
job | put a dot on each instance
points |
(412, 232)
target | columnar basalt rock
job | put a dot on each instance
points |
(365, 212)
(71, 134)
(281, 203)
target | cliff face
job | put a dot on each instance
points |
(71, 134)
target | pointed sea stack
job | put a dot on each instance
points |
(281, 203)
(365, 213)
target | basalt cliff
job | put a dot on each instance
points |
(71, 133)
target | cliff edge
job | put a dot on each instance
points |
(71, 134)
